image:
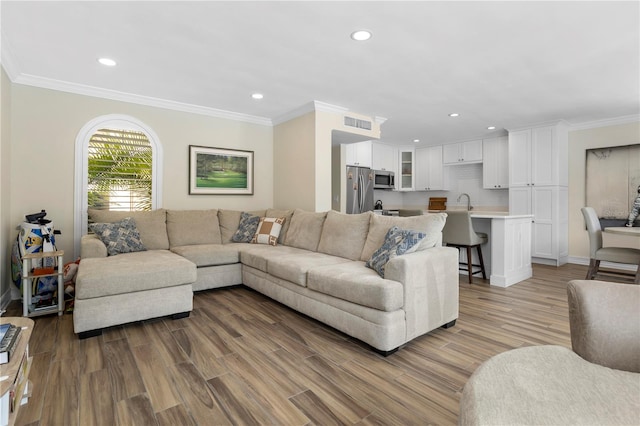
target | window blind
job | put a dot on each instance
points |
(119, 170)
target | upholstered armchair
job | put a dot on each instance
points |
(597, 383)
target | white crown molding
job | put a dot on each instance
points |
(80, 89)
(307, 108)
(625, 119)
(540, 124)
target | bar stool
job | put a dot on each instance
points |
(458, 232)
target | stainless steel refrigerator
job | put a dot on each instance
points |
(359, 189)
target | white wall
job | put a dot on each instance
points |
(579, 142)
(462, 178)
(7, 233)
(44, 126)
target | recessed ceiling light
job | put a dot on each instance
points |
(491, 128)
(257, 96)
(454, 114)
(416, 140)
(361, 35)
(108, 62)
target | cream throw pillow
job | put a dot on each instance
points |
(268, 230)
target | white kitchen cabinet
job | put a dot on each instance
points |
(495, 163)
(538, 164)
(429, 169)
(359, 154)
(406, 169)
(538, 156)
(384, 157)
(462, 152)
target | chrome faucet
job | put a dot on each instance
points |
(469, 206)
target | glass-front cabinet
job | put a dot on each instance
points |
(407, 168)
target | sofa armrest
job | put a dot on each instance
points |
(91, 246)
(605, 323)
(430, 280)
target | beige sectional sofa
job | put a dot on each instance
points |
(317, 268)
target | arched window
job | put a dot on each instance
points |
(118, 167)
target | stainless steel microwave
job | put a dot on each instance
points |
(384, 179)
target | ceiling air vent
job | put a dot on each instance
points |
(355, 122)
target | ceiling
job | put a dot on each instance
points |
(505, 64)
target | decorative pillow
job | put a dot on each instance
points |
(268, 230)
(246, 229)
(119, 237)
(396, 243)
(380, 257)
(152, 225)
(431, 224)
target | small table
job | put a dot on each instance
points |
(14, 375)
(628, 231)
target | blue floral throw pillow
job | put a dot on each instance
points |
(396, 242)
(119, 237)
(246, 229)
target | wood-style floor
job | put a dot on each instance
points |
(241, 358)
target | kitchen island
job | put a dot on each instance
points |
(507, 254)
(508, 248)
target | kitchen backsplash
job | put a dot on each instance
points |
(464, 178)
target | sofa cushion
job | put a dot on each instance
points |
(353, 282)
(229, 221)
(305, 229)
(430, 224)
(287, 214)
(140, 271)
(151, 225)
(187, 227)
(119, 237)
(246, 228)
(209, 254)
(257, 255)
(344, 234)
(268, 231)
(294, 267)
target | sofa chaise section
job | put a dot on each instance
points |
(120, 289)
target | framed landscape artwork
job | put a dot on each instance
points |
(613, 176)
(220, 171)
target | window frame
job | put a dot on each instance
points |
(113, 121)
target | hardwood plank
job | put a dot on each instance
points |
(39, 376)
(61, 398)
(201, 351)
(238, 401)
(44, 333)
(197, 396)
(135, 411)
(66, 345)
(174, 416)
(315, 409)
(164, 342)
(157, 380)
(270, 390)
(125, 378)
(96, 404)
(89, 353)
